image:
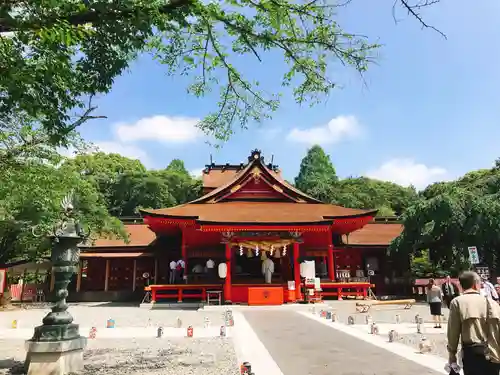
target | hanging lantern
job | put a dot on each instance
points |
(241, 250)
(271, 250)
(257, 250)
(284, 250)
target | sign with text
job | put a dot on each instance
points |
(473, 255)
(483, 272)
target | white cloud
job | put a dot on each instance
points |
(160, 128)
(407, 172)
(128, 151)
(196, 172)
(337, 129)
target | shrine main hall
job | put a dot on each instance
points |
(244, 240)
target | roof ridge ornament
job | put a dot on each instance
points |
(255, 155)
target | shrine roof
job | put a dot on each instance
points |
(258, 212)
(139, 236)
(214, 178)
(380, 234)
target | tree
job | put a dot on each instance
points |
(104, 171)
(31, 190)
(84, 45)
(125, 185)
(139, 190)
(453, 216)
(364, 192)
(317, 174)
(183, 187)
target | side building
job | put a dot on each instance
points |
(248, 215)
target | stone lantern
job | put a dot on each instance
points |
(56, 347)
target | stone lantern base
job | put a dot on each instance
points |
(54, 357)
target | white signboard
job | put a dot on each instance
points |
(317, 283)
(473, 255)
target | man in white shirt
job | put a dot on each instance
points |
(173, 273)
(487, 289)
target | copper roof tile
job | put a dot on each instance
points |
(374, 234)
(216, 178)
(139, 235)
(257, 212)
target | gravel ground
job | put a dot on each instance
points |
(91, 315)
(180, 356)
(141, 357)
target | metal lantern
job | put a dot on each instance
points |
(159, 332)
(393, 335)
(374, 329)
(350, 320)
(368, 319)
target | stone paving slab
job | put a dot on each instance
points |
(301, 346)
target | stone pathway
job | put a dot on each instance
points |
(301, 346)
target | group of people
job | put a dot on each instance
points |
(473, 322)
(178, 270)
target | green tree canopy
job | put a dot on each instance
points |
(84, 45)
(317, 178)
(32, 187)
(316, 173)
(453, 216)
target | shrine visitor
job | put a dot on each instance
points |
(211, 269)
(488, 290)
(435, 300)
(450, 290)
(180, 268)
(173, 272)
(474, 322)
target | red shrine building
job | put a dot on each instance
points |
(244, 241)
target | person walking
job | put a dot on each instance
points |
(435, 300)
(474, 321)
(450, 290)
(488, 289)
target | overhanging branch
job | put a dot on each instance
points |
(109, 13)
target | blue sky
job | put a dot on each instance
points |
(427, 111)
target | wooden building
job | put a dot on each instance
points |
(247, 215)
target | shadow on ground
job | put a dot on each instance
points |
(11, 367)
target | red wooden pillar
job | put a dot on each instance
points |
(227, 283)
(184, 255)
(331, 262)
(296, 269)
